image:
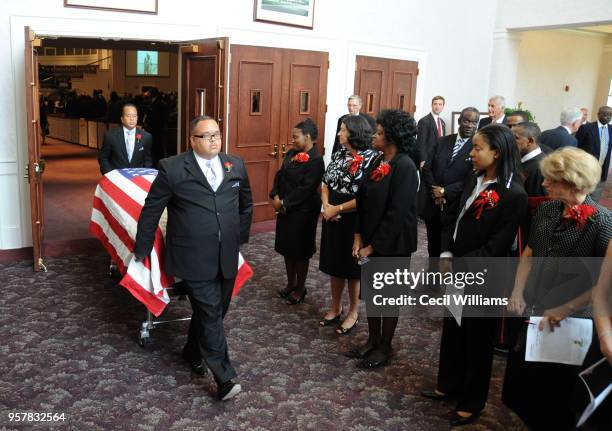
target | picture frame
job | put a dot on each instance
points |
(296, 13)
(455, 120)
(134, 6)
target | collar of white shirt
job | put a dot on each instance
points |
(127, 131)
(530, 155)
(567, 128)
(215, 164)
(599, 125)
(500, 120)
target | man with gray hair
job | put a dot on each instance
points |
(353, 104)
(496, 107)
(563, 136)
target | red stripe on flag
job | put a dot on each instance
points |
(96, 230)
(143, 183)
(152, 302)
(245, 272)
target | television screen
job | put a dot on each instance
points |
(147, 63)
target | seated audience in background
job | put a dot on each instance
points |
(295, 197)
(562, 136)
(571, 225)
(594, 138)
(387, 218)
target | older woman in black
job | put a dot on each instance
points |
(571, 225)
(296, 198)
(386, 217)
(483, 223)
(340, 185)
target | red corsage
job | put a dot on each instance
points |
(580, 214)
(300, 158)
(486, 199)
(381, 171)
(228, 166)
(138, 136)
(355, 163)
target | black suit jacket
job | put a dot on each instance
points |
(486, 121)
(386, 209)
(533, 176)
(427, 136)
(441, 171)
(371, 121)
(557, 138)
(297, 184)
(205, 228)
(589, 140)
(113, 154)
(493, 234)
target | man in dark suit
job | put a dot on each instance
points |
(563, 135)
(594, 138)
(496, 107)
(444, 175)
(353, 104)
(208, 197)
(126, 147)
(429, 129)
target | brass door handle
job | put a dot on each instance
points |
(275, 152)
(284, 150)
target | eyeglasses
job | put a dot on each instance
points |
(209, 136)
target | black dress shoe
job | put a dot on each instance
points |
(457, 420)
(228, 390)
(284, 293)
(360, 352)
(433, 395)
(375, 359)
(292, 300)
(197, 365)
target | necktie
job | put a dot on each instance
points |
(603, 147)
(128, 145)
(210, 175)
(439, 128)
(457, 148)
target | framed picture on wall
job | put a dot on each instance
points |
(455, 120)
(138, 6)
(298, 13)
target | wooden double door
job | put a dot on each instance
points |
(271, 90)
(385, 83)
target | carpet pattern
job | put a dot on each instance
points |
(68, 343)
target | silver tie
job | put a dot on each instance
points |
(210, 175)
(128, 144)
(603, 148)
(457, 148)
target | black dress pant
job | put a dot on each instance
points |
(210, 301)
(434, 235)
(466, 358)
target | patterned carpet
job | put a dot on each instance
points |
(68, 344)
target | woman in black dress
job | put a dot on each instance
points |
(295, 197)
(483, 223)
(572, 225)
(386, 217)
(340, 185)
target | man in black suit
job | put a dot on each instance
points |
(594, 138)
(208, 197)
(429, 129)
(353, 104)
(444, 175)
(496, 107)
(563, 135)
(126, 147)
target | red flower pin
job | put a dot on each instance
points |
(300, 158)
(355, 163)
(486, 200)
(228, 166)
(138, 136)
(580, 214)
(381, 171)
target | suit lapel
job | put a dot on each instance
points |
(193, 168)
(226, 175)
(121, 143)
(137, 145)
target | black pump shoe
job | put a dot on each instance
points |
(284, 293)
(291, 300)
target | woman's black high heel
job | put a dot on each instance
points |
(284, 293)
(292, 301)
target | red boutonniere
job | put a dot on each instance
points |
(228, 166)
(138, 136)
(486, 199)
(355, 163)
(300, 158)
(381, 171)
(580, 214)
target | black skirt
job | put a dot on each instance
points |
(296, 234)
(337, 243)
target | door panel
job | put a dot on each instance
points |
(204, 72)
(35, 167)
(271, 90)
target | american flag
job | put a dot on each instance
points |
(118, 201)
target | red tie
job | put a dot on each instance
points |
(439, 128)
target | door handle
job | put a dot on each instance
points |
(285, 149)
(275, 152)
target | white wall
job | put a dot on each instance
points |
(550, 60)
(605, 75)
(453, 54)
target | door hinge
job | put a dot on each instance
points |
(418, 70)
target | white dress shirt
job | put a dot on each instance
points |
(215, 165)
(530, 155)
